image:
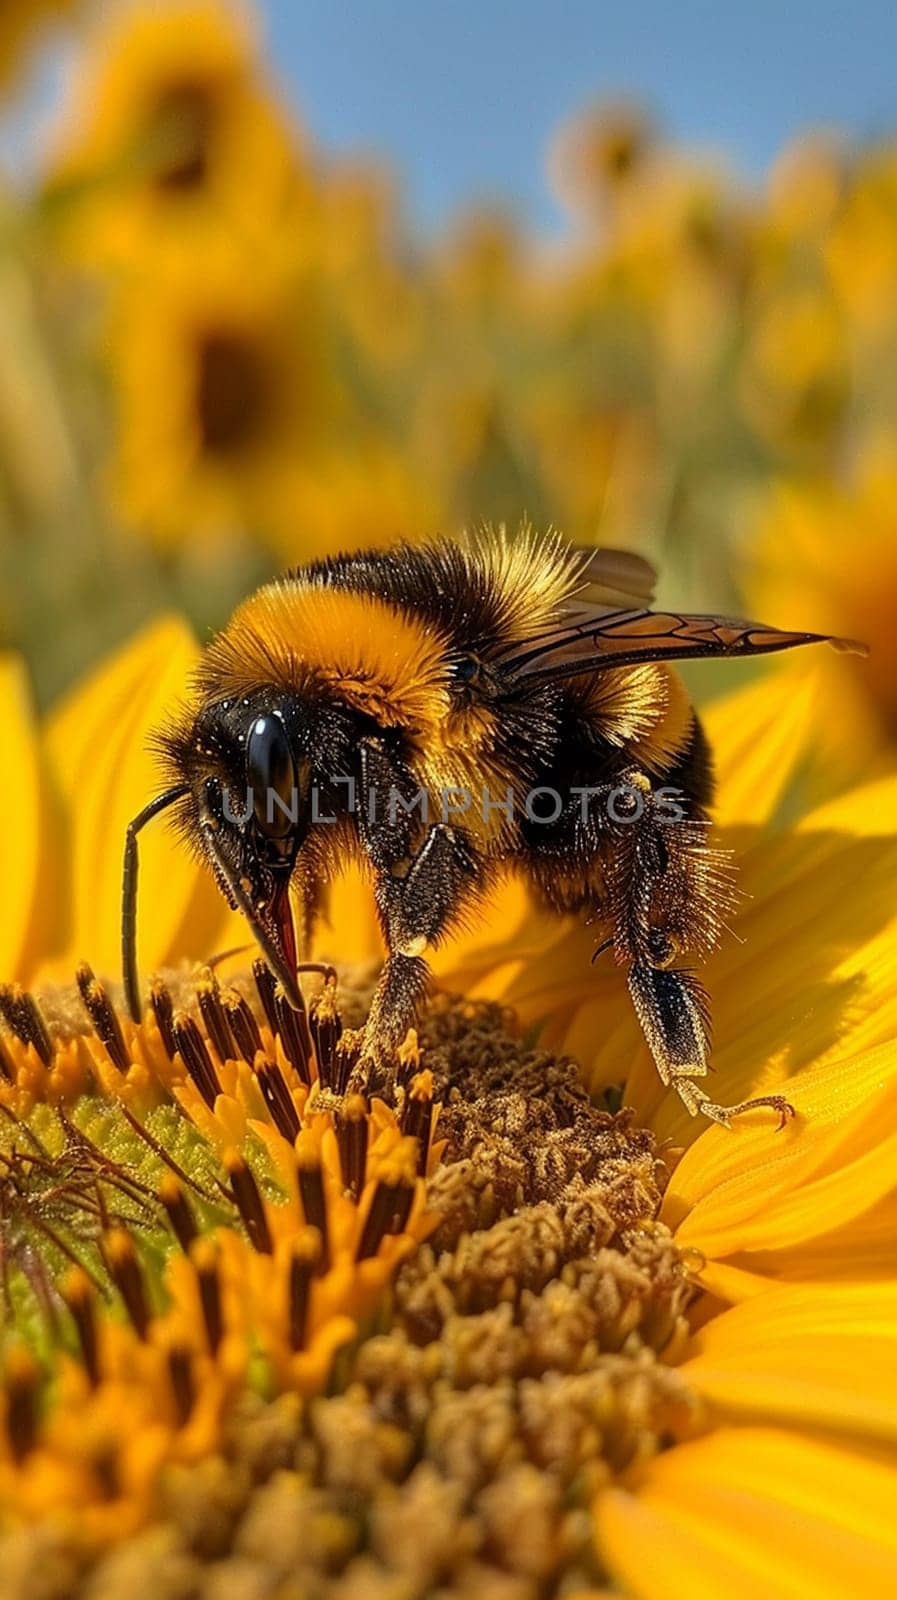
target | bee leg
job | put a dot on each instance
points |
(672, 1008)
(396, 1002)
(415, 902)
(695, 1100)
(421, 875)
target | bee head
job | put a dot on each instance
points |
(247, 768)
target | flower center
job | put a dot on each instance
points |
(233, 393)
(523, 1359)
(179, 136)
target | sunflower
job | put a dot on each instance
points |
(828, 550)
(596, 155)
(794, 382)
(861, 249)
(224, 391)
(576, 1348)
(171, 132)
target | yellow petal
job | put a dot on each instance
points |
(506, 924)
(757, 1187)
(750, 1512)
(818, 1357)
(859, 1250)
(759, 737)
(349, 930)
(867, 811)
(97, 745)
(33, 908)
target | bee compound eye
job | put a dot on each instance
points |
(271, 776)
(466, 669)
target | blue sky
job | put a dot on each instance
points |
(462, 96)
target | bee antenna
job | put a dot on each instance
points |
(225, 955)
(129, 895)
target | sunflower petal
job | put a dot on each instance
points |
(755, 1187)
(819, 1357)
(97, 746)
(753, 1511)
(32, 909)
(759, 737)
(859, 1250)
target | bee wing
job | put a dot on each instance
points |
(609, 576)
(593, 637)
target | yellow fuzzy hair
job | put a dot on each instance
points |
(645, 708)
(531, 574)
(380, 660)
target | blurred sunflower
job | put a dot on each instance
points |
(861, 249)
(794, 382)
(596, 156)
(618, 1362)
(827, 550)
(368, 494)
(806, 185)
(224, 389)
(172, 132)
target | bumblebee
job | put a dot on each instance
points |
(444, 713)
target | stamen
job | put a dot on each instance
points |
(76, 1292)
(7, 1068)
(242, 1024)
(277, 1098)
(124, 1270)
(352, 1128)
(389, 1208)
(183, 1388)
(326, 1031)
(205, 1264)
(311, 1192)
(249, 1202)
(102, 1014)
(266, 984)
(22, 1376)
(346, 1055)
(303, 1261)
(417, 1115)
(163, 1011)
(295, 1035)
(191, 1047)
(178, 1210)
(21, 1014)
(213, 1015)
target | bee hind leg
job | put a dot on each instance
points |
(673, 1010)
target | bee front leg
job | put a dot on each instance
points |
(420, 881)
(415, 906)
